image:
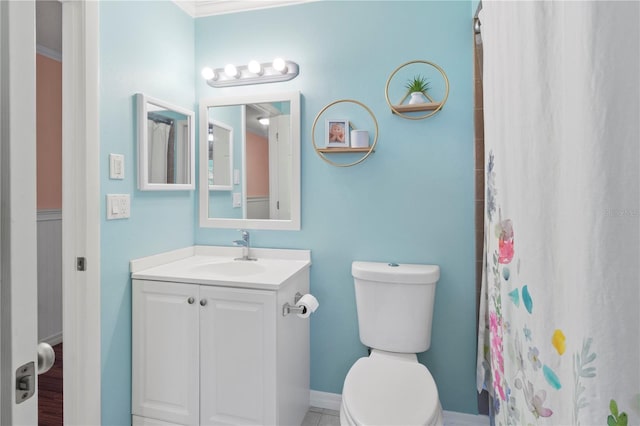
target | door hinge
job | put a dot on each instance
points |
(25, 382)
(81, 264)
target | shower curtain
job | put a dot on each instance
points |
(159, 137)
(559, 336)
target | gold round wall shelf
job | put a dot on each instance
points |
(432, 106)
(323, 151)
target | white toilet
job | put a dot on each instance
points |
(390, 386)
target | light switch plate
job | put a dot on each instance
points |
(237, 199)
(236, 177)
(118, 206)
(116, 166)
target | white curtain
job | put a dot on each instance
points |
(559, 339)
(158, 143)
(182, 152)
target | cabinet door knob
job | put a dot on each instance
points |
(191, 300)
(203, 302)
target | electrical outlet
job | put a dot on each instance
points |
(118, 206)
(237, 199)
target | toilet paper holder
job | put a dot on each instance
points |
(293, 309)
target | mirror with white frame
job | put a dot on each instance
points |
(166, 145)
(262, 164)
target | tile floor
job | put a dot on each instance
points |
(321, 417)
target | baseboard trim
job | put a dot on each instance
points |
(332, 401)
(463, 419)
(49, 214)
(54, 339)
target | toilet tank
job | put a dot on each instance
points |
(395, 305)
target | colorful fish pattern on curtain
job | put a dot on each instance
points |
(559, 336)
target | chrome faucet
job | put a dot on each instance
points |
(245, 243)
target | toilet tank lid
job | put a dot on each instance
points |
(403, 273)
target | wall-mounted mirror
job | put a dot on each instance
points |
(166, 145)
(262, 164)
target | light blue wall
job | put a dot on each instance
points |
(411, 201)
(144, 47)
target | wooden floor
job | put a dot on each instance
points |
(50, 393)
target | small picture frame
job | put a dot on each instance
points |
(337, 133)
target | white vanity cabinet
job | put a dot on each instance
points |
(205, 354)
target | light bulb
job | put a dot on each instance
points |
(264, 121)
(280, 65)
(255, 67)
(210, 137)
(231, 70)
(208, 73)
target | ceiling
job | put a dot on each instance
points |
(49, 16)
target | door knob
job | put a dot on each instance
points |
(191, 300)
(203, 302)
(46, 357)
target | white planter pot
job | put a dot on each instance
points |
(416, 98)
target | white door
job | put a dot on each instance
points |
(237, 356)
(280, 168)
(81, 212)
(18, 274)
(81, 203)
(165, 351)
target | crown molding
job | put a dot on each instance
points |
(201, 8)
(189, 6)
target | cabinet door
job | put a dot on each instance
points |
(165, 371)
(237, 356)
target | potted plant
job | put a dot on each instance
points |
(417, 87)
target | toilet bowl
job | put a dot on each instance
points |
(389, 389)
(395, 311)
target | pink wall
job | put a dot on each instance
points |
(49, 132)
(257, 165)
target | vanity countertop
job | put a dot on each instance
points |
(216, 265)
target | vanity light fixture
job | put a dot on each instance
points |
(253, 73)
(263, 120)
(231, 71)
(255, 67)
(280, 65)
(209, 74)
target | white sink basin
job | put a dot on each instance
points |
(234, 268)
(216, 265)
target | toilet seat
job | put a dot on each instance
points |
(387, 391)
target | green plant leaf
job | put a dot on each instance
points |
(417, 84)
(622, 419)
(613, 407)
(611, 421)
(585, 348)
(588, 372)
